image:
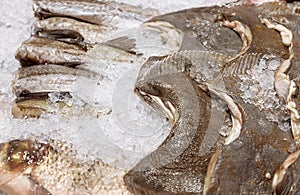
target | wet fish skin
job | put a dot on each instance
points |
(250, 17)
(200, 24)
(96, 12)
(203, 24)
(33, 106)
(91, 33)
(163, 171)
(43, 51)
(253, 149)
(38, 50)
(49, 78)
(291, 180)
(18, 157)
(253, 142)
(65, 35)
(24, 165)
(34, 84)
(177, 167)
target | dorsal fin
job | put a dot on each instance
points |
(241, 65)
(196, 63)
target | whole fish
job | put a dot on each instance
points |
(34, 84)
(156, 84)
(34, 105)
(107, 13)
(42, 50)
(170, 168)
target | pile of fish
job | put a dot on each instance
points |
(227, 78)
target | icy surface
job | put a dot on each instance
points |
(258, 89)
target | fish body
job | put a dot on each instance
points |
(39, 50)
(95, 12)
(91, 33)
(248, 65)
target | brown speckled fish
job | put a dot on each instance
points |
(246, 79)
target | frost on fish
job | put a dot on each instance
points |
(256, 85)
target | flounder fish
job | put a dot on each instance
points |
(256, 159)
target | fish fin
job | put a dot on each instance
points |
(241, 65)
(191, 43)
(193, 62)
(123, 43)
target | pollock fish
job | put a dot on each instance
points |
(106, 13)
(48, 78)
(90, 33)
(33, 84)
(39, 50)
(34, 105)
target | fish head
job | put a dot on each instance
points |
(18, 155)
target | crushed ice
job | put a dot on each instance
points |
(258, 89)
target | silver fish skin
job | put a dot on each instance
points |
(91, 33)
(106, 13)
(39, 50)
(64, 35)
(49, 78)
